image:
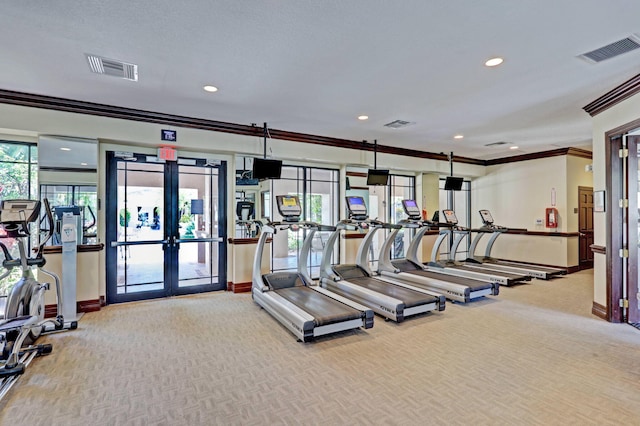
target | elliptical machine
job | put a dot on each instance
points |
(27, 295)
(22, 311)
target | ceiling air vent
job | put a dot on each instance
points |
(113, 67)
(497, 143)
(612, 50)
(396, 124)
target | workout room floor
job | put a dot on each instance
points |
(534, 355)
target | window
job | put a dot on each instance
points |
(83, 196)
(18, 170)
(318, 191)
(401, 188)
(18, 180)
(385, 204)
(460, 203)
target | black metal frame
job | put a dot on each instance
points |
(170, 287)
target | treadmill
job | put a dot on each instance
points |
(451, 267)
(306, 310)
(488, 226)
(394, 302)
(410, 270)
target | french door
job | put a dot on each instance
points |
(165, 227)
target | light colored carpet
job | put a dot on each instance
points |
(533, 355)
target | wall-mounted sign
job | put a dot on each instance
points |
(167, 153)
(169, 135)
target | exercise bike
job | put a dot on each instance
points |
(22, 319)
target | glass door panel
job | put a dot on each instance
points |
(198, 228)
(141, 240)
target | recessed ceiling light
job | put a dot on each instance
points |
(458, 137)
(363, 117)
(83, 164)
(494, 62)
(513, 147)
(65, 149)
(210, 88)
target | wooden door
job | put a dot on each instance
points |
(585, 226)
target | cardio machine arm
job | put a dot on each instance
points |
(49, 229)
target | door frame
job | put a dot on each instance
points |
(111, 193)
(621, 273)
(633, 315)
(583, 242)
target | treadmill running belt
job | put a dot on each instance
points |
(474, 285)
(323, 309)
(410, 297)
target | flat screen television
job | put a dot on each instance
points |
(377, 177)
(453, 183)
(266, 169)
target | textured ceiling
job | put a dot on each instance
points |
(313, 66)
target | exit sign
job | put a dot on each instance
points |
(167, 153)
(168, 135)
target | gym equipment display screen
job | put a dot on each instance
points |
(411, 208)
(377, 177)
(450, 216)
(487, 219)
(288, 205)
(453, 183)
(356, 206)
(266, 169)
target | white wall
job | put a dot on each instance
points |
(518, 193)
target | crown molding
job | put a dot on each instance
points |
(614, 97)
(90, 108)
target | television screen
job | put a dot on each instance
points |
(453, 183)
(266, 169)
(377, 177)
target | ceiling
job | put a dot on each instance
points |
(314, 66)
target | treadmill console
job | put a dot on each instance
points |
(487, 219)
(357, 208)
(411, 209)
(245, 210)
(19, 211)
(289, 207)
(450, 217)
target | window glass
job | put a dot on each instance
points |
(318, 190)
(18, 180)
(460, 203)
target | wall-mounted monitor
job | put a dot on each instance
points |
(266, 169)
(377, 177)
(453, 183)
